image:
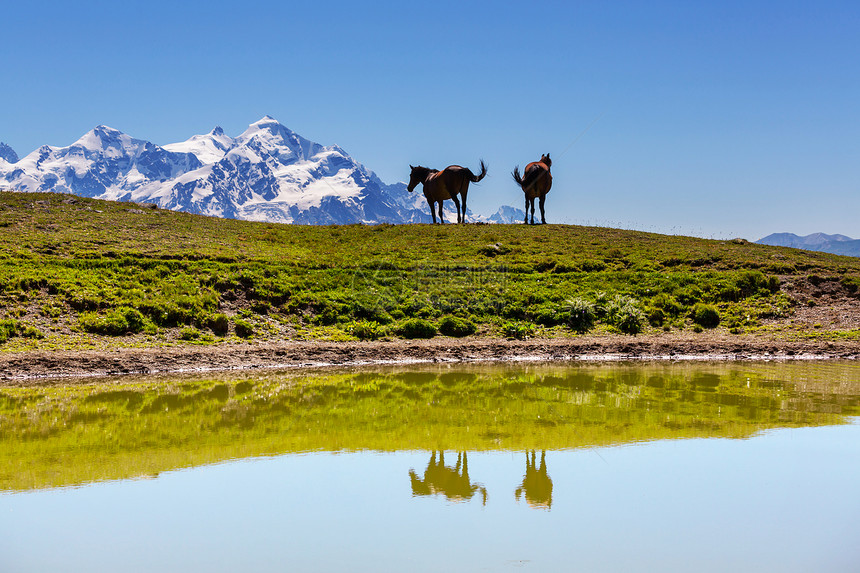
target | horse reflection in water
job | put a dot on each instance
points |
(452, 482)
(536, 483)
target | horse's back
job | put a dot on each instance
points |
(448, 182)
(537, 179)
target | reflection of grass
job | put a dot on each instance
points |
(53, 436)
(70, 264)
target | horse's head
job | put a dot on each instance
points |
(416, 176)
(546, 160)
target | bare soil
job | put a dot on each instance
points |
(27, 368)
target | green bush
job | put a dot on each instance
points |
(518, 330)
(623, 313)
(189, 333)
(417, 328)
(457, 327)
(115, 322)
(217, 323)
(8, 329)
(244, 329)
(656, 317)
(366, 329)
(580, 314)
(705, 315)
(547, 315)
(667, 304)
(32, 332)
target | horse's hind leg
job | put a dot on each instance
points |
(457, 204)
(464, 203)
(532, 205)
(527, 211)
(542, 214)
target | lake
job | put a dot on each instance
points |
(540, 467)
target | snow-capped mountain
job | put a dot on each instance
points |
(267, 173)
(507, 214)
(104, 163)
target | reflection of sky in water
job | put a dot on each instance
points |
(783, 501)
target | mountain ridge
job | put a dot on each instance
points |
(266, 173)
(835, 244)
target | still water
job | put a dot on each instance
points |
(672, 467)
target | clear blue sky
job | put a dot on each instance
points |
(736, 118)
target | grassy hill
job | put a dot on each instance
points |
(81, 273)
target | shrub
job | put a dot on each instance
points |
(189, 333)
(218, 323)
(32, 332)
(547, 316)
(8, 329)
(705, 315)
(457, 327)
(244, 329)
(366, 329)
(518, 330)
(623, 313)
(116, 322)
(417, 328)
(751, 282)
(667, 304)
(580, 314)
(656, 317)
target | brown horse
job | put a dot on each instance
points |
(536, 183)
(446, 184)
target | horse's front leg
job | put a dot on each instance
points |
(542, 214)
(441, 218)
(432, 212)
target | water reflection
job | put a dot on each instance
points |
(452, 482)
(537, 485)
(133, 427)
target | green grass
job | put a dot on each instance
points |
(70, 266)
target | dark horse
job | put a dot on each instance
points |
(446, 184)
(536, 183)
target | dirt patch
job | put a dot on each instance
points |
(25, 368)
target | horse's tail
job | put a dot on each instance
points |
(517, 177)
(475, 178)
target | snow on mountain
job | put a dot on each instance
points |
(208, 148)
(104, 163)
(507, 214)
(7, 154)
(267, 173)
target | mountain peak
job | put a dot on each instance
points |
(217, 131)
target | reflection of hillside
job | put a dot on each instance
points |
(51, 436)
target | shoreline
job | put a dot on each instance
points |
(53, 367)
